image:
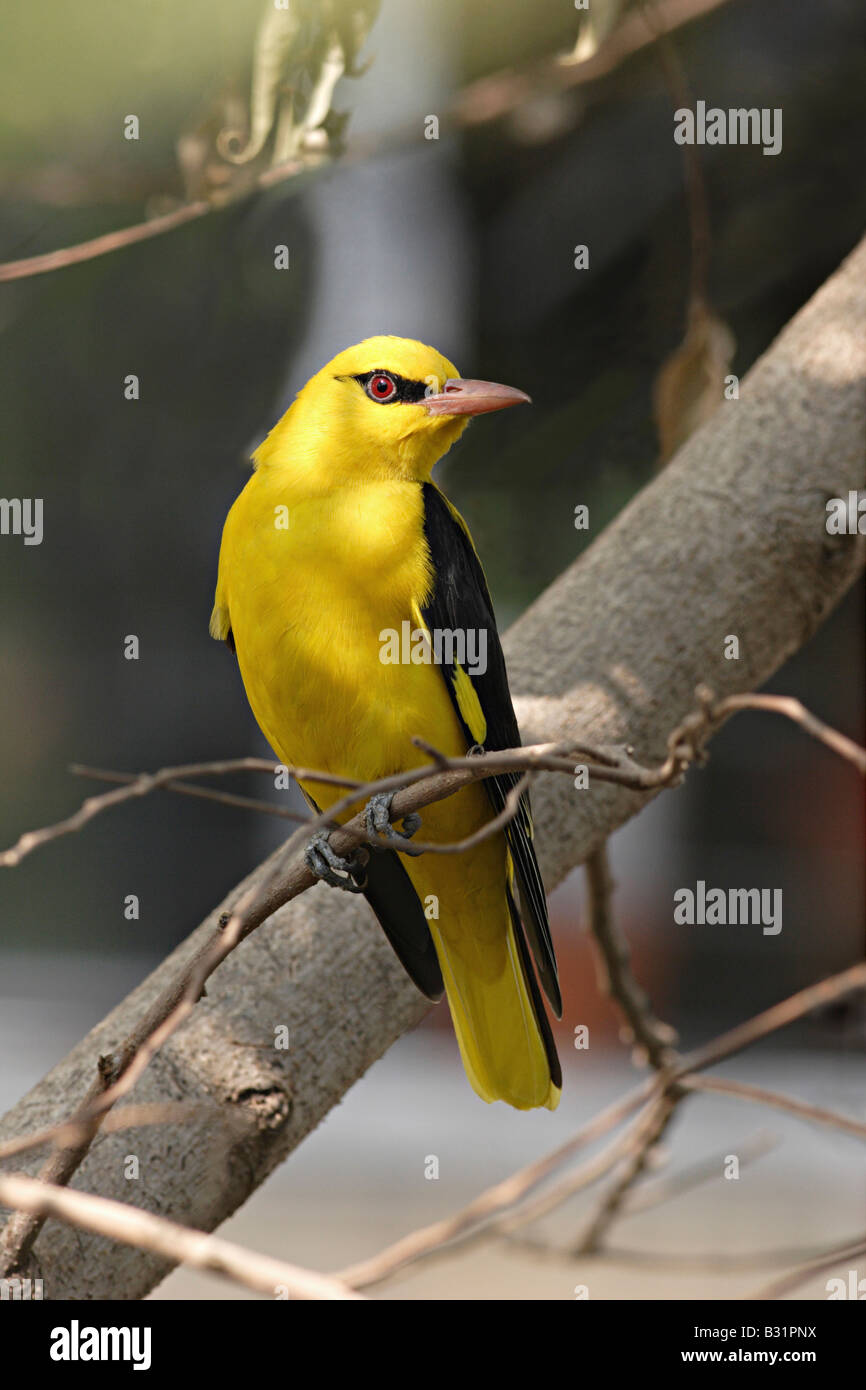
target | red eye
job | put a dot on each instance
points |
(381, 387)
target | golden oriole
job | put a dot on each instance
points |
(351, 591)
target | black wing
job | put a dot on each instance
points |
(460, 601)
(390, 893)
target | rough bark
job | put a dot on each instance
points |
(730, 538)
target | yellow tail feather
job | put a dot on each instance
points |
(494, 1017)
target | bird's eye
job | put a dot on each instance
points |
(381, 387)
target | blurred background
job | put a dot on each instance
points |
(551, 134)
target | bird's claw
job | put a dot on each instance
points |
(377, 817)
(346, 873)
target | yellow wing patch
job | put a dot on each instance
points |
(468, 702)
(469, 705)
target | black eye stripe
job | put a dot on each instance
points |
(407, 392)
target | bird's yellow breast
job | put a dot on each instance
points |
(310, 588)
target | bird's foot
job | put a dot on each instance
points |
(346, 873)
(377, 817)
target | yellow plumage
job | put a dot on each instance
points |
(322, 551)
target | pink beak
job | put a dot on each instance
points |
(461, 396)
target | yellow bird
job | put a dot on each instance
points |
(351, 591)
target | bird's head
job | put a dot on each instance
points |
(386, 408)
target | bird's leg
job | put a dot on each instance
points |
(377, 817)
(346, 873)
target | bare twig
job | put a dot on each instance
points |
(484, 832)
(644, 1141)
(128, 1117)
(117, 1075)
(654, 1038)
(771, 1020)
(616, 978)
(554, 1196)
(180, 1244)
(713, 1261)
(791, 709)
(245, 803)
(102, 245)
(140, 786)
(828, 1260)
(491, 98)
(696, 188)
(740, 1090)
(653, 1194)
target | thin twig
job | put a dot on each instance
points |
(794, 710)
(128, 1117)
(102, 245)
(781, 1015)
(615, 977)
(645, 1139)
(653, 1038)
(141, 785)
(740, 1090)
(683, 1075)
(180, 1244)
(828, 1260)
(576, 1182)
(696, 187)
(245, 803)
(485, 831)
(714, 1261)
(654, 1194)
